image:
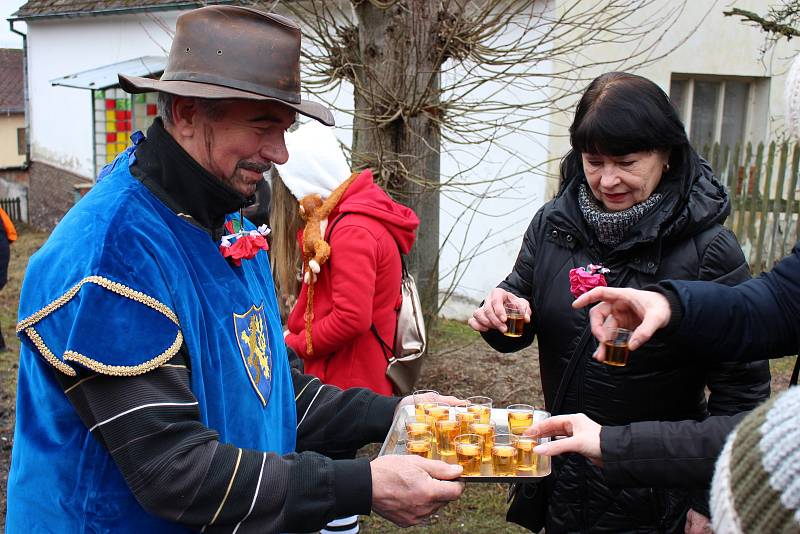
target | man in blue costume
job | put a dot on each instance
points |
(155, 393)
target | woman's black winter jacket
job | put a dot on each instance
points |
(680, 238)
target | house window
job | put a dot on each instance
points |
(724, 110)
(21, 141)
(116, 116)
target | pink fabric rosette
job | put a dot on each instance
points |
(582, 279)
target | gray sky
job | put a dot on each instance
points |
(7, 38)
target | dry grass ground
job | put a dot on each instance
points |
(459, 363)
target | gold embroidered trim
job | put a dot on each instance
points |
(126, 370)
(116, 287)
(48, 355)
(113, 370)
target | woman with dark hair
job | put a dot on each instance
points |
(639, 205)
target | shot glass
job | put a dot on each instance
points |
(415, 424)
(541, 463)
(504, 455)
(520, 417)
(446, 432)
(515, 320)
(436, 411)
(525, 459)
(465, 418)
(487, 432)
(420, 401)
(481, 406)
(469, 449)
(420, 443)
(616, 343)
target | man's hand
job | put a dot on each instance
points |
(407, 489)
(492, 315)
(697, 523)
(583, 436)
(644, 312)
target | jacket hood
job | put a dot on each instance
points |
(364, 196)
(704, 204)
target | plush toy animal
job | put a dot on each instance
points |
(316, 250)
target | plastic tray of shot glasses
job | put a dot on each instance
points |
(395, 443)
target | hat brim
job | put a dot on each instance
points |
(136, 84)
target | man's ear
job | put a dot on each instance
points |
(184, 116)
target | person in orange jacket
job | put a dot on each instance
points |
(7, 236)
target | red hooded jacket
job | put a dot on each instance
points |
(359, 285)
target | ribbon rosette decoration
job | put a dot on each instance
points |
(241, 244)
(582, 279)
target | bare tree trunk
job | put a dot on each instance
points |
(396, 130)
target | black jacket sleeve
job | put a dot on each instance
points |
(179, 470)
(679, 454)
(753, 320)
(734, 386)
(518, 282)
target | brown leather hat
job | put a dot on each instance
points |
(233, 52)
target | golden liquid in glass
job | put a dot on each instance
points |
(616, 354)
(525, 457)
(487, 433)
(419, 409)
(420, 448)
(465, 419)
(446, 432)
(484, 412)
(503, 460)
(515, 322)
(469, 456)
(518, 422)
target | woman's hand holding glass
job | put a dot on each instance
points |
(493, 316)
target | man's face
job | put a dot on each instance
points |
(238, 140)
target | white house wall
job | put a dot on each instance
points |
(61, 117)
(721, 46)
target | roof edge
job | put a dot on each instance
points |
(175, 6)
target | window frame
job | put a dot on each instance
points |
(687, 98)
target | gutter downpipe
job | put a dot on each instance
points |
(26, 106)
(26, 97)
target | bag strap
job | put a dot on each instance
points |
(386, 348)
(561, 392)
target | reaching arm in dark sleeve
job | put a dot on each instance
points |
(753, 320)
(179, 470)
(518, 282)
(670, 454)
(734, 386)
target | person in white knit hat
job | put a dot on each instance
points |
(353, 237)
(352, 241)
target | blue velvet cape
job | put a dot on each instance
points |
(119, 286)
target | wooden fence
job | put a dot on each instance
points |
(13, 207)
(765, 202)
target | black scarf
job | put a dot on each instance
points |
(181, 183)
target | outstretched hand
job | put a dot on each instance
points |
(644, 312)
(583, 436)
(492, 315)
(406, 490)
